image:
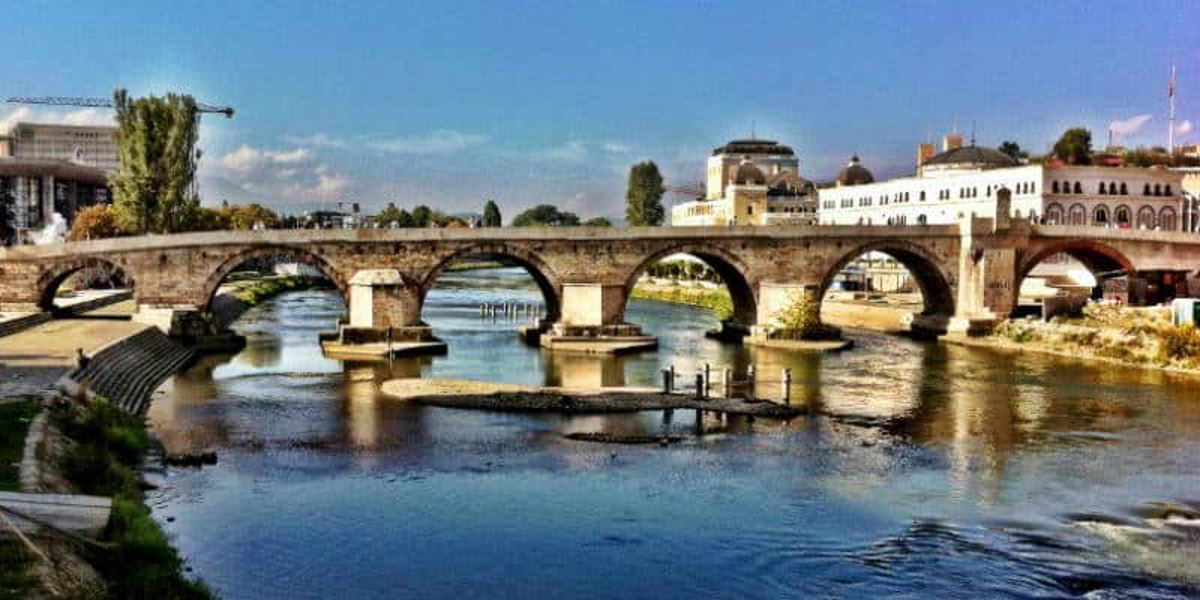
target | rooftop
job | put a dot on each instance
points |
(754, 146)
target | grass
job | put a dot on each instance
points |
(14, 423)
(255, 292)
(714, 299)
(141, 563)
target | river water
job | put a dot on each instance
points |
(923, 470)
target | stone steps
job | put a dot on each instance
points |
(127, 372)
(22, 323)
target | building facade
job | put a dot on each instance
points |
(963, 180)
(751, 182)
(47, 169)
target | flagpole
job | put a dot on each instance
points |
(1171, 116)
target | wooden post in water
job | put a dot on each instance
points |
(726, 382)
(787, 385)
(699, 386)
(750, 382)
(707, 380)
(666, 373)
(672, 367)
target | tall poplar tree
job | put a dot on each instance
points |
(491, 214)
(156, 142)
(643, 198)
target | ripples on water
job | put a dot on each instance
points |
(926, 470)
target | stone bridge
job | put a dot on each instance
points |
(968, 273)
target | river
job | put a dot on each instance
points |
(924, 470)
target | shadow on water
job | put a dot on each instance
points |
(924, 469)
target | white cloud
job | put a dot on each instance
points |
(442, 141)
(246, 159)
(615, 148)
(1184, 127)
(276, 176)
(319, 139)
(571, 151)
(83, 116)
(1131, 125)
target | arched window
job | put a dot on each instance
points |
(1032, 187)
(1054, 214)
(1077, 215)
(1100, 216)
(1112, 188)
(922, 195)
(920, 219)
(1157, 190)
(1166, 219)
(1146, 190)
(1103, 189)
(1145, 218)
(1122, 217)
(1124, 189)
(1054, 187)
(1167, 190)
(1078, 188)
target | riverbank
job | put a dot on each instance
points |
(715, 299)
(1134, 337)
(236, 297)
(482, 395)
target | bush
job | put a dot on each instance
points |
(1178, 342)
(801, 318)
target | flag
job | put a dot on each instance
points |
(1171, 85)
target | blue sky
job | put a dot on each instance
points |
(446, 103)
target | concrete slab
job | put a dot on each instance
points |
(800, 345)
(598, 345)
(335, 349)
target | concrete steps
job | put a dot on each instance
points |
(22, 323)
(128, 371)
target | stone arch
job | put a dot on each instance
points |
(936, 285)
(297, 253)
(1122, 216)
(1077, 214)
(50, 279)
(1145, 217)
(1099, 258)
(545, 277)
(1054, 214)
(1166, 219)
(743, 289)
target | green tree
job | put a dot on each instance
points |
(643, 198)
(1075, 146)
(545, 215)
(390, 214)
(251, 215)
(491, 215)
(1014, 150)
(156, 144)
(801, 318)
(422, 216)
(597, 222)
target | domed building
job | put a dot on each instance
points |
(964, 180)
(854, 174)
(751, 182)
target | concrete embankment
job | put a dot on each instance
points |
(128, 371)
(455, 393)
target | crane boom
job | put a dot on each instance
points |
(105, 103)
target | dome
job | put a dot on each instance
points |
(748, 174)
(788, 183)
(854, 173)
(971, 157)
(753, 146)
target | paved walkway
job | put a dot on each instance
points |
(32, 360)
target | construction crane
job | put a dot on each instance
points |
(695, 191)
(105, 103)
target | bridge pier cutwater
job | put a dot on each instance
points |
(969, 274)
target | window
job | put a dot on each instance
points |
(1077, 215)
(1146, 190)
(1103, 190)
(1145, 218)
(1054, 214)
(1032, 188)
(922, 195)
(1078, 188)
(1124, 189)
(1054, 187)
(1157, 190)
(1167, 190)
(1112, 188)
(1166, 219)
(1122, 216)
(921, 219)
(1100, 217)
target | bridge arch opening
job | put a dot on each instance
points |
(1062, 277)
(890, 285)
(82, 285)
(502, 276)
(700, 275)
(258, 272)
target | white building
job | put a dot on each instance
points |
(49, 169)
(751, 182)
(963, 180)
